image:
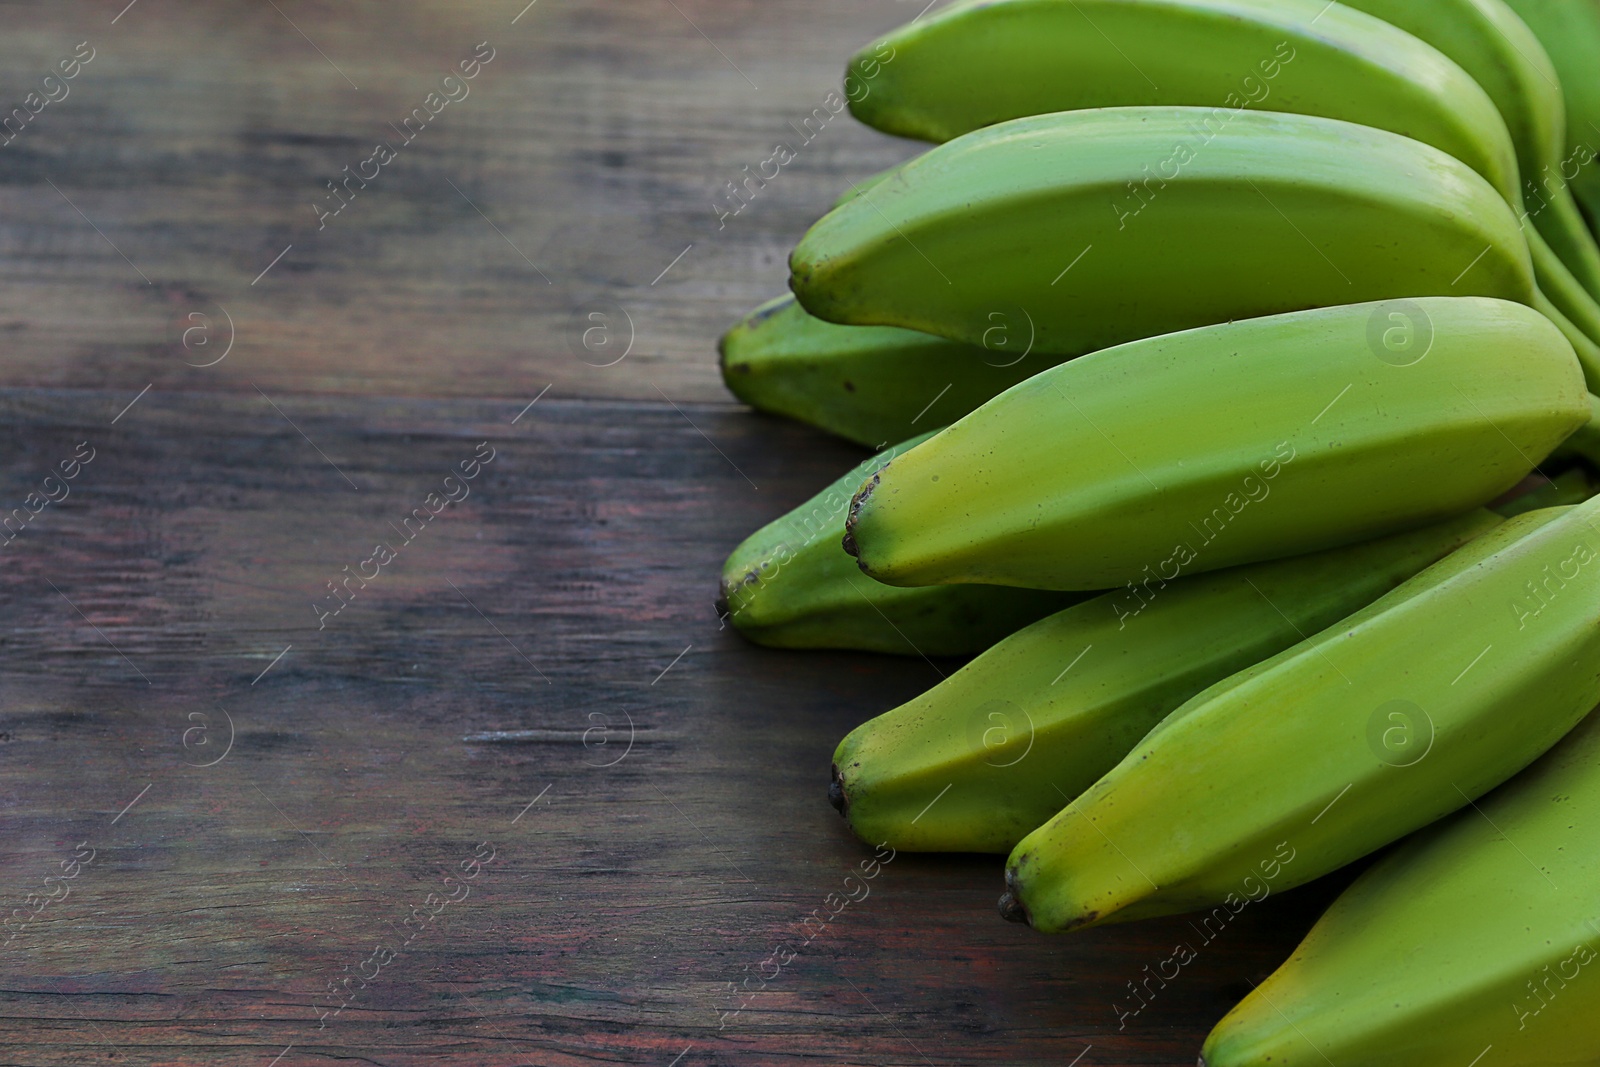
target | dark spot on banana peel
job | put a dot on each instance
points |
(836, 797)
(849, 386)
(722, 607)
(855, 509)
(1012, 909)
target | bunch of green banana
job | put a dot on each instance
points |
(1342, 743)
(870, 384)
(1225, 445)
(1570, 33)
(791, 585)
(1476, 939)
(1030, 57)
(1032, 228)
(997, 748)
(1504, 56)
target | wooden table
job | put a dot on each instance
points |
(531, 710)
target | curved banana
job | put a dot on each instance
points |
(870, 384)
(985, 61)
(1225, 445)
(1504, 56)
(1479, 935)
(1570, 33)
(993, 751)
(790, 585)
(1035, 229)
(1373, 728)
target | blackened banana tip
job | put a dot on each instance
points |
(836, 795)
(1011, 909)
(722, 607)
(856, 503)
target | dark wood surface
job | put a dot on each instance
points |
(539, 673)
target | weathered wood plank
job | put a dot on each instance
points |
(372, 758)
(588, 151)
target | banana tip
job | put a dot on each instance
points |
(836, 797)
(856, 503)
(1012, 909)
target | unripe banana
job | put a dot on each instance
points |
(993, 751)
(1228, 444)
(1570, 33)
(985, 61)
(1029, 228)
(978, 62)
(870, 384)
(1476, 939)
(790, 585)
(1504, 56)
(1401, 713)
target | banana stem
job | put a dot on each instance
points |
(1588, 352)
(1563, 225)
(1558, 283)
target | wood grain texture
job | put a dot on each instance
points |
(538, 671)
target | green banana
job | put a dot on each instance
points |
(870, 384)
(1504, 56)
(1570, 33)
(1478, 934)
(1341, 744)
(1014, 58)
(1571, 486)
(1025, 229)
(1227, 444)
(996, 749)
(790, 585)
(1584, 443)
